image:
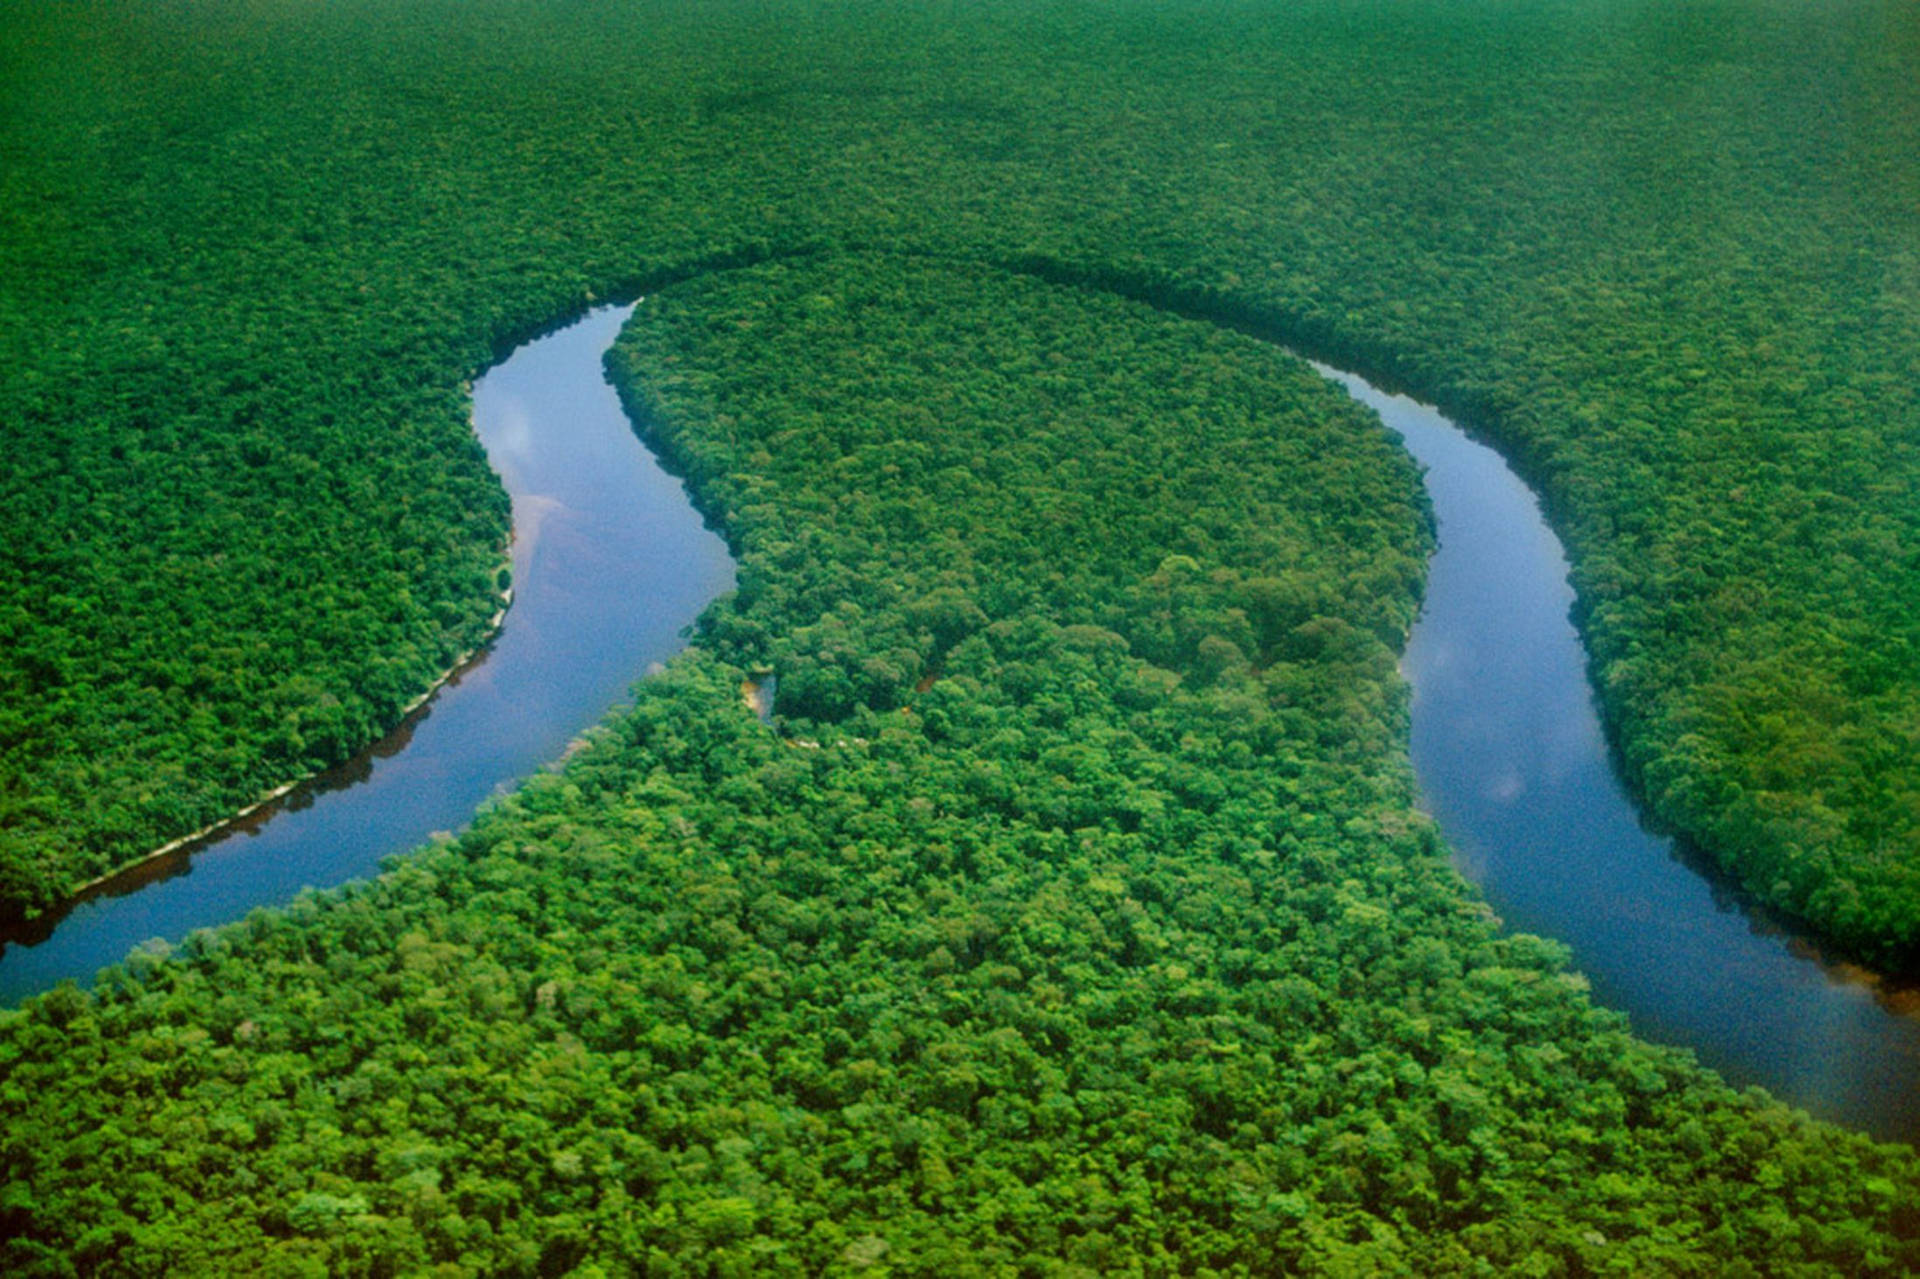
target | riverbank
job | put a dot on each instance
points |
(1657, 941)
(609, 565)
(127, 870)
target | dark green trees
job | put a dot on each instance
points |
(1092, 930)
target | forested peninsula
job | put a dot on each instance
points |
(1074, 916)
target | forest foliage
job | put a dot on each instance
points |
(1668, 256)
(1665, 255)
(1072, 917)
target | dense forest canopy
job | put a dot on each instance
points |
(1071, 919)
(1668, 256)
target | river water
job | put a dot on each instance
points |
(610, 563)
(1508, 750)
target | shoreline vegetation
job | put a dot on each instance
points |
(1675, 408)
(79, 893)
(1895, 987)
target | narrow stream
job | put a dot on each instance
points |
(1508, 750)
(610, 563)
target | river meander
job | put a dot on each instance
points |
(1511, 762)
(611, 562)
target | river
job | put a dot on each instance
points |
(610, 564)
(1511, 762)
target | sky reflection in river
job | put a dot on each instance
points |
(1512, 763)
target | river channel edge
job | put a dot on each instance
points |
(213, 830)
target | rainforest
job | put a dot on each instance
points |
(1073, 911)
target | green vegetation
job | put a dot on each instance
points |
(1111, 948)
(1665, 254)
(1115, 943)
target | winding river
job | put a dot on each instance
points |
(1508, 750)
(611, 563)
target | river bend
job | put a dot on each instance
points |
(1511, 762)
(611, 563)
